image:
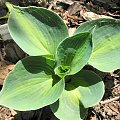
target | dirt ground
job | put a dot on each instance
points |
(73, 12)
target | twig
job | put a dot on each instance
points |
(109, 100)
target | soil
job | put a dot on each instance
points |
(73, 12)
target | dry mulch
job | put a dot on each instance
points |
(73, 13)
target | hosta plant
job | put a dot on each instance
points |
(53, 73)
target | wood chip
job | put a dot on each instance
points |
(91, 15)
(4, 70)
(71, 31)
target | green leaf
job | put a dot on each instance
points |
(83, 90)
(73, 53)
(68, 107)
(5, 17)
(0, 37)
(31, 85)
(106, 42)
(36, 30)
